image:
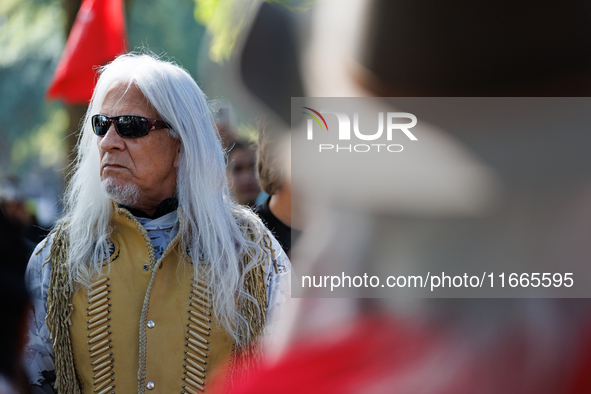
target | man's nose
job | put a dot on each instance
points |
(112, 140)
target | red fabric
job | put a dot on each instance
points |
(387, 356)
(97, 37)
(371, 349)
(581, 373)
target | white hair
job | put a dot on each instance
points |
(214, 222)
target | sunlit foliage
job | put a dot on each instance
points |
(31, 40)
(227, 19)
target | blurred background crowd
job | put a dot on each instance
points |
(250, 57)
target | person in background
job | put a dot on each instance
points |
(13, 204)
(272, 162)
(226, 130)
(241, 173)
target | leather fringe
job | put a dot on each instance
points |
(248, 358)
(59, 310)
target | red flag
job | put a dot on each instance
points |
(97, 37)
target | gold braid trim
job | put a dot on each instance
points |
(59, 310)
(248, 357)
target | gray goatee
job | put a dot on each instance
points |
(128, 194)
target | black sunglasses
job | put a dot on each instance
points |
(127, 126)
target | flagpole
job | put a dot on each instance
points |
(75, 111)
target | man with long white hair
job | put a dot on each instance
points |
(155, 278)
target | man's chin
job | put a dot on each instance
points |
(127, 194)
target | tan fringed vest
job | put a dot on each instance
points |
(147, 325)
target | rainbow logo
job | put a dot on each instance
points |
(315, 118)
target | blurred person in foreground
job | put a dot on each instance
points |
(14, 305)
(151, 239)
(445, 346)
(272, 163)
(241, 172)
